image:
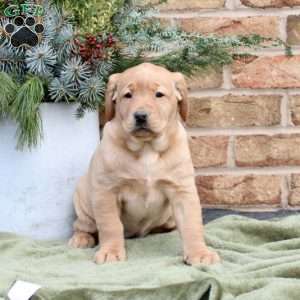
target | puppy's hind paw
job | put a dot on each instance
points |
(82, 240)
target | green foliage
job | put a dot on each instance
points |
(138, 31)
(201, 52)
(91, 93)
(41, 60)
(84, 42)
(75, 71)
(25, 110)
(92, 16)
(12, 60)
(8, 93)
(142, 35)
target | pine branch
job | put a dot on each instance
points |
(90, 95)
(60, 91)
(40, 60)
(25, 109)
(12, 60)
(124, 63)
(8, 93)
(56, 23)
(74, 71)
(142, 35)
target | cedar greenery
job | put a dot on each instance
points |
(87, 40)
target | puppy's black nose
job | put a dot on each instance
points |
(140, 117)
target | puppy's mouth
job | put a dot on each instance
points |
(142, 131)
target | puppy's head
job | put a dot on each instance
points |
(145, 99)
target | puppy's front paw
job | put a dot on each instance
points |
(106, 255)
(203, 256)
(82, 240)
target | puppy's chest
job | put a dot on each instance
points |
(148, 169)
(142, 180)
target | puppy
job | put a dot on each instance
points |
(141, 177)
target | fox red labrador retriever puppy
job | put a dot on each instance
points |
(141, 177)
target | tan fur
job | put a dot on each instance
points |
(141, 182)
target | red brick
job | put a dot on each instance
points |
(262, 150)
(270, 3)
(267, 72)
(295, 109)
(184, 5)
(293, 30)
(294, 195)
(239, 190)
(208, 151)
(208, 79)
(234, 111)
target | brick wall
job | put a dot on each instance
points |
(245, 119)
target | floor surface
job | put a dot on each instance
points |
(210, 214)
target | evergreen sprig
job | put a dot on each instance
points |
(7, 95)
(90, 95)
(25, 110)
(74, 71)
(41, 60)
(60, 91)
(200, 52)
(142, 35)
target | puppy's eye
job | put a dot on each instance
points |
(128, 95)
(159, 95)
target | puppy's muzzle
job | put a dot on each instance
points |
(141, 119)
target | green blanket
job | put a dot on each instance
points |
(261, 260)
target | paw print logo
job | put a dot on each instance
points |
(23, 32)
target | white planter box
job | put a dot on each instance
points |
(36, 187)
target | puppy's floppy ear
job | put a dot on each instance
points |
(181, 93)
(111, 96)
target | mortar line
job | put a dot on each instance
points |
(225, 12)
(239, 5)
(290, 107)
(284, 110)
(238, 92)
(289, 110)
(268, 52)
(230, 4)
(283, 28)
(227, 78)
(230, 152)
(274, 130)
(271, 52)
(238, 171)
(202, 92)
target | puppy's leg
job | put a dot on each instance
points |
(84, 226)
(110, 228)
(188, 216)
